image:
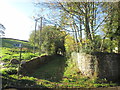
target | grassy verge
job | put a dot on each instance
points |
(9, 53)
(58, 73)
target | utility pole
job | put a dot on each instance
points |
(35, 34)
(40, 35)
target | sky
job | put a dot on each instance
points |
(16, 16)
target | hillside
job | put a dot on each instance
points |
(9, 49)
(9, 43)
(53, 70)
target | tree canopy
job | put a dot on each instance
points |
(50, 40)
(93, 26)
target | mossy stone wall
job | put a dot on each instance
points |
(99, 64)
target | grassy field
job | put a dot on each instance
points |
(9, 43)
(60, 72)
(9, 51)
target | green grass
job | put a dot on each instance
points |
(8, 43)
(63, 73)
(53, 71)
(60, 72)
(9, 51)
(55, 74)
(7, 54)
(10, 70)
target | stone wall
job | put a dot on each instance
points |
(99, 64)
(33, 64)
(86, 64)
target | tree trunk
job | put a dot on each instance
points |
(80, 25)
(119, 26)
(88, 34)
(92, 22)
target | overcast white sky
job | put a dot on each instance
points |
(16, 16)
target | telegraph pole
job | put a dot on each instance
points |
(35, 36)
(40, 35)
